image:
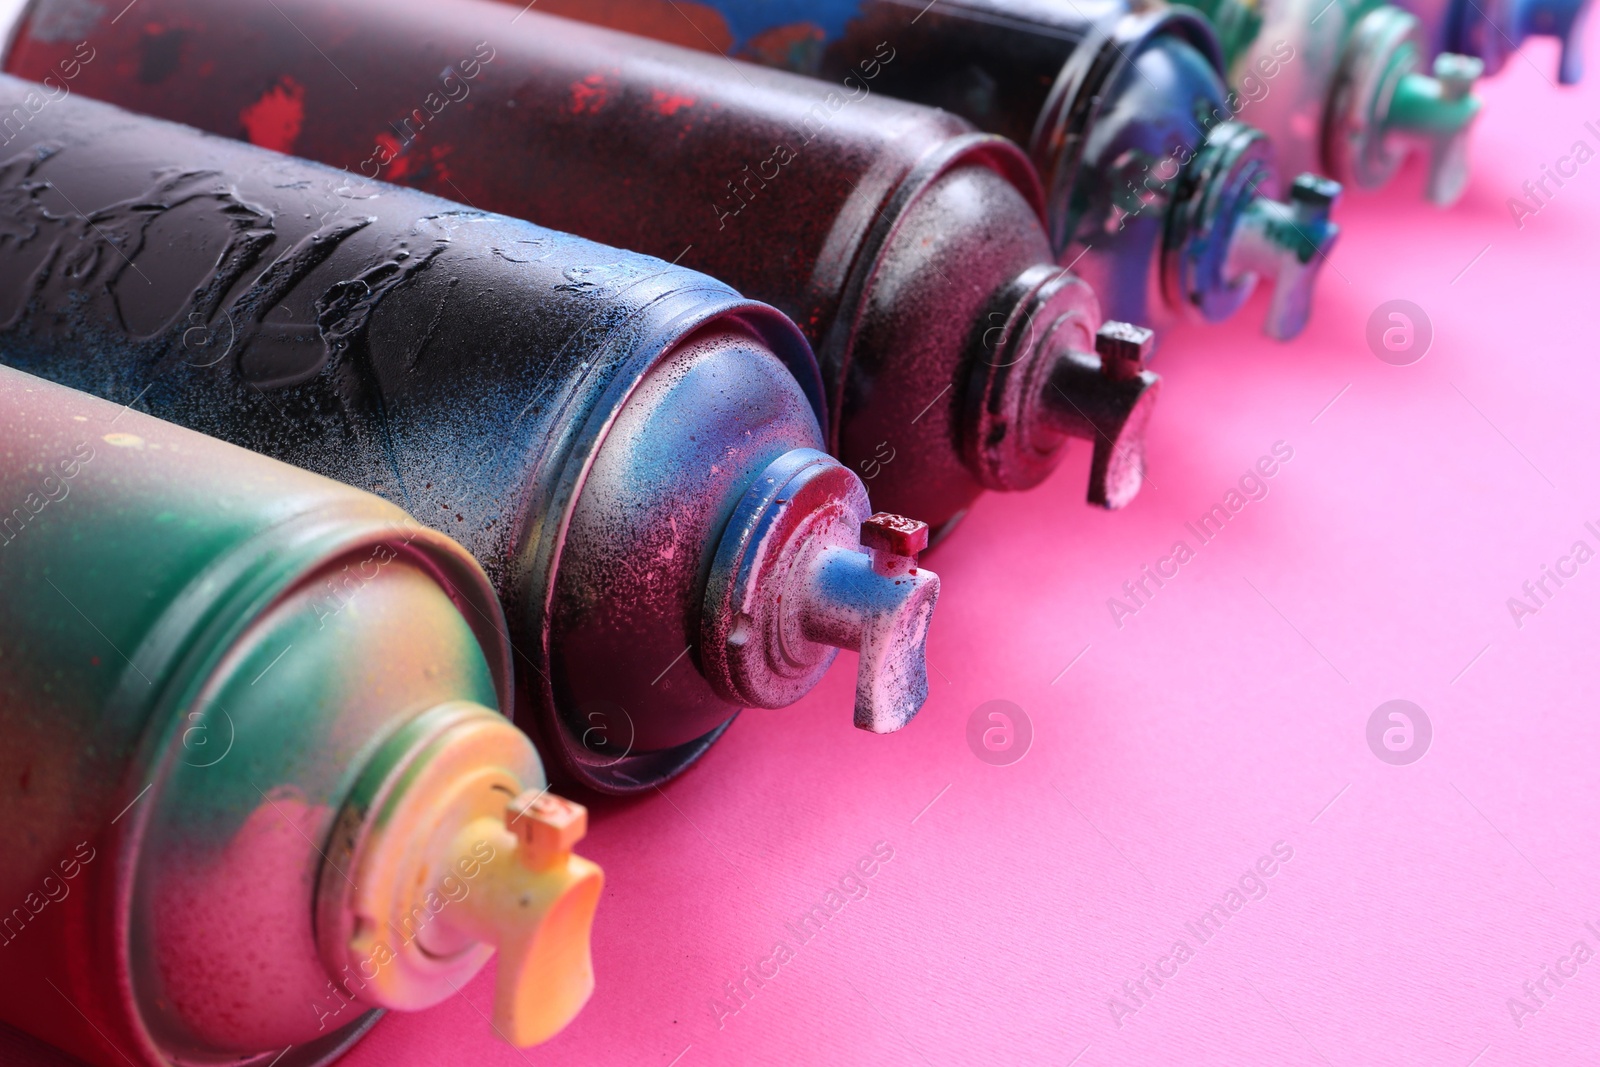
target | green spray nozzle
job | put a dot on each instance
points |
(1385, 106)
(1439, 111)
(1228, 233)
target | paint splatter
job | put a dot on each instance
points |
(590, 95)
(274, 121)
(667, 103)
(391, 153)
(794, 47)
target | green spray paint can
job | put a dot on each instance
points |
(256, 781)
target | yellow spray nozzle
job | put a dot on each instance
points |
(448, 858)
(536, 903)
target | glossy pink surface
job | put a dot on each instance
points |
(1227, 715)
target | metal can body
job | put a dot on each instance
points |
(994, 62)
(164, 815)
(1114, 104)
(466, 366)
(894, 235)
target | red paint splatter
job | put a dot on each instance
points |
(590, 95)
(274, 121)
(393, 156)
(669, 103)
(394, 159)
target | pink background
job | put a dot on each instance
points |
(1228, 715)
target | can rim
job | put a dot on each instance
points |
(1061, 133)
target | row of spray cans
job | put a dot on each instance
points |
(485, 470)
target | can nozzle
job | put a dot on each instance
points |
(1383, 105)
(443, 857)
(1288, 243)
(803, 570)
(1107, 398)
(535, 903)
(1562, 19)
(1439, 112)
(1229, 233)
(1056, 371)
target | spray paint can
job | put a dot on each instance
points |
(254, 730)
(611, 436)
(957, 355)
(1158, 192)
